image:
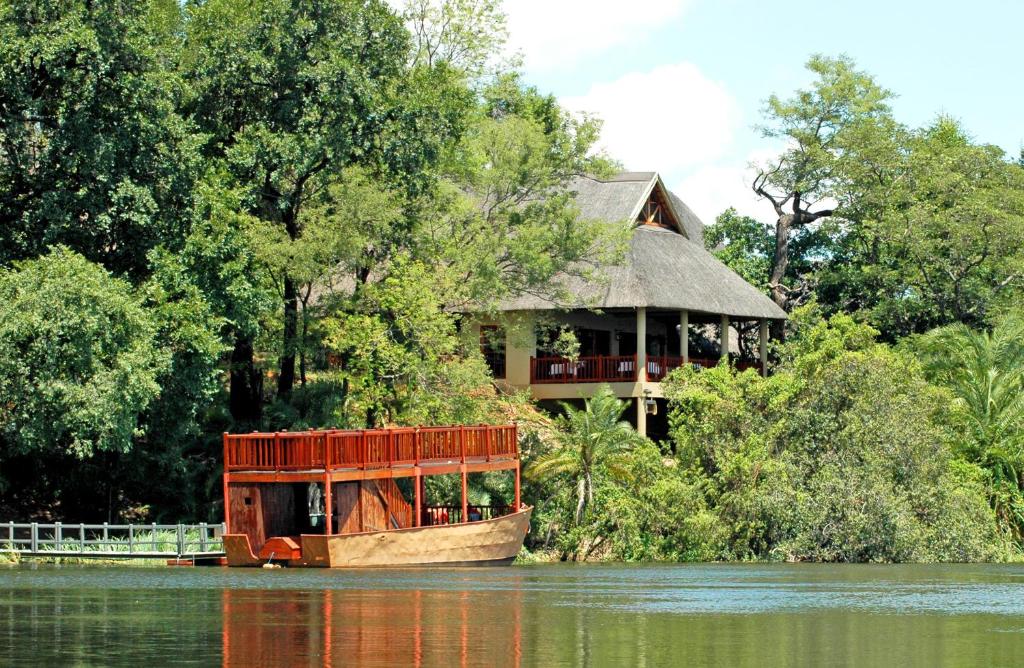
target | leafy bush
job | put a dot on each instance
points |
(844, 454)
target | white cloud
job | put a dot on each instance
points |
(668, 120)
(557, 34)
(713, 188)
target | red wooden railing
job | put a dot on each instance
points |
(368, 448)
(435, 515)
(599, 369)
(613, 368)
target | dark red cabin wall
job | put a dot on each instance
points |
(246, 517)
(270, 511)
(359, 507)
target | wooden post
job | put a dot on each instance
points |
(518, 502)
(418, 499)
(465, 500)
(641, 345)
(725, 337)
(34, 538)
(227, 506)
(329, 504)
(762, 327)
(684, 336)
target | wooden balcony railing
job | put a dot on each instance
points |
(613, 368)
(368, 448)
(599, 369)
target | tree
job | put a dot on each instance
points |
(465, 34)
(93, 153)
(821, 128)
(985, 371)
(497, 222)
(80, 359)
(594, 441)
(80, 365)
(291, 91)
(958, 233)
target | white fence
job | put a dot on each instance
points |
(112, 541)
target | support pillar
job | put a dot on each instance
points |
(641, 416)
(518, 500)
(418, 499)
(684, 336)
(725, 337)
(762, 327)
(465, 501)
(328, 505)
(641, 345)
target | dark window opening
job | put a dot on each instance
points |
(492, 347)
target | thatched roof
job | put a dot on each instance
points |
(663, 269)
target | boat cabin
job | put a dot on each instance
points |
(281, 488)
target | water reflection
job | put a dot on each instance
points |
(538, 616)
(371, 627)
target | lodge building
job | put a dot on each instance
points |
(669, 303)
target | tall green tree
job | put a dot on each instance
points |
(822, 128)
(289, 92)
(93, 152)
(80, 365)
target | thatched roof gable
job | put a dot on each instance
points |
(663, 269)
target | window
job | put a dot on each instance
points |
(492, 347)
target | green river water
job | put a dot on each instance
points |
(550, 615)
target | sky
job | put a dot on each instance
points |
(680, 84)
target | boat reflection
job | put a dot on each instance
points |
(371, 627)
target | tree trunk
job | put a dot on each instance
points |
(779, 264)
(286, 378)
(246, 384)
(581, 500)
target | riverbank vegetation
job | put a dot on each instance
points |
(226, 216)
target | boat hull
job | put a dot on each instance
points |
(486, 543)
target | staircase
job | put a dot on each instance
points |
(396, 508)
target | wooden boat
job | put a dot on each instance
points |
(332, 499)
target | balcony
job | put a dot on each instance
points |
(613, 368)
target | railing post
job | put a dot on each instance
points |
(462, 443)
(152, 537)
(202, 536)
(227, 457)
(58, 536)
(81, 536)
(465, 494)
(487, 443)
(106, 535)
(131, 539)
(181, 539)
(34, 537)
(10, 537)
(417, 443)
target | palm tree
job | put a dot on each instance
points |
(593, 439)
(985, 371)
